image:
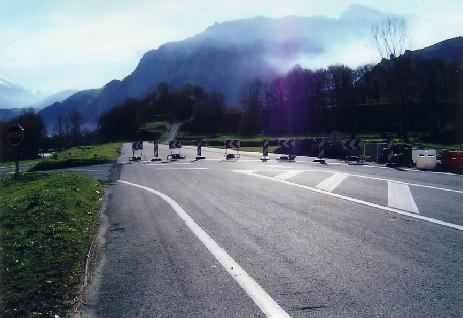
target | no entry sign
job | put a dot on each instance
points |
(14, 134)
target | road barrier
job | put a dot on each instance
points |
(288, 145)
(156, 152)
(453, 161)
(265, 151)
(199, 156)
(175, 144)
(232, 144)
(136, 146)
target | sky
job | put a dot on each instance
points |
(53, 45)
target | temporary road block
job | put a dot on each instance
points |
(453, 161)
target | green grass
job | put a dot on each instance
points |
(80, 156)
(47, 221)
(161, 128)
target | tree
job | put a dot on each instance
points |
(390, 37)
(75, 119)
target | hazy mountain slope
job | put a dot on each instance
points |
(7, 114)
(451, 49)
(13, 95)
(51, 99)
(227, 55)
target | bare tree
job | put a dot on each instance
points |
(390, 37)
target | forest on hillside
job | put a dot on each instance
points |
(400, 95)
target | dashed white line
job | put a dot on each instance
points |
(332, 182)
(400, 197)
(260, 297)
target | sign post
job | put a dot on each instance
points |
(14, 136)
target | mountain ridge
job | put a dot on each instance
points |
(225, 56)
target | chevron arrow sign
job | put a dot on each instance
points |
(286, 143)
(175, 144)
(353, 144)
(231, 143)
(137, 145)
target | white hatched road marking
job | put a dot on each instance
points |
(346, 198)
(260, 297)
(372, 178)
(179, 168)
(332, 182)
(288, 174)
(400, 197)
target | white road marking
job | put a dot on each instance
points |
(374, 178)
(346, 198)
(288, 174)
(277, 166)
(260, 297)
(400, 197)
(88, 170)
(332, 182)
(172, 168)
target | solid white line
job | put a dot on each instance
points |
(332, 182)
(400, 197)
(288, 174)
(346, 198)
(260, 297)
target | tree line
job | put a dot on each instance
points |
(404, 94)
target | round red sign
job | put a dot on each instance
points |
(14, 134)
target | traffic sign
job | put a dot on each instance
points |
(137, 145)
(175, 144)
(286, 143)
(353, 144)
(14, 134)
(232, 143)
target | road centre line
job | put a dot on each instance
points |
(260, 297)
(346, 198)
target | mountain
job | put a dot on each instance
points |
(451, 49)
(13, 95)
(53, 98)
(7, 114)
(227, 55)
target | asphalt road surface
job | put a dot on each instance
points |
(245, 238)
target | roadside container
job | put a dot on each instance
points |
(416, 152)
(426, 159)
(453, 161)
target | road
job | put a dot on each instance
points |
(245, 238)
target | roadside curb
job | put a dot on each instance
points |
(98, 241)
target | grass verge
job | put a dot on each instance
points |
(80, 156)
(160, 128)
(47, 221)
